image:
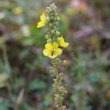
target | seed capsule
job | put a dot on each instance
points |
(64, 63)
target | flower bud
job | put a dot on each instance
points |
(57, 33)
(47, 19)
(52, 17)
(53, 71)
(52, 31)
(47, 36)
(49, 40)
(58, 18)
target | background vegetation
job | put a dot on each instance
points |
(24, 80)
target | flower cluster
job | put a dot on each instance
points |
(55, 41)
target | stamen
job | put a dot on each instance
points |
(52, 53)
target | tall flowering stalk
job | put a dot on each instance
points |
(53, 49)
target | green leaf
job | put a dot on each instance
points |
(3, 77)
(36, 84)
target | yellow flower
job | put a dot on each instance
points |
(61, 42)
(42, 21)
(51, 50)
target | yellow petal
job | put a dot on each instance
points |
(61, 39)
(42, 21)
(43, 17)
(40, 24)
(62, 43)
(55, 45)
(58, 52)
(53, 56)
(49, 46)
(46, 52)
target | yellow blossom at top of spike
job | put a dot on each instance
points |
(51, 50)
(61, 42)
(42, 21)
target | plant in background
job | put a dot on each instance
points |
(53, 49)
